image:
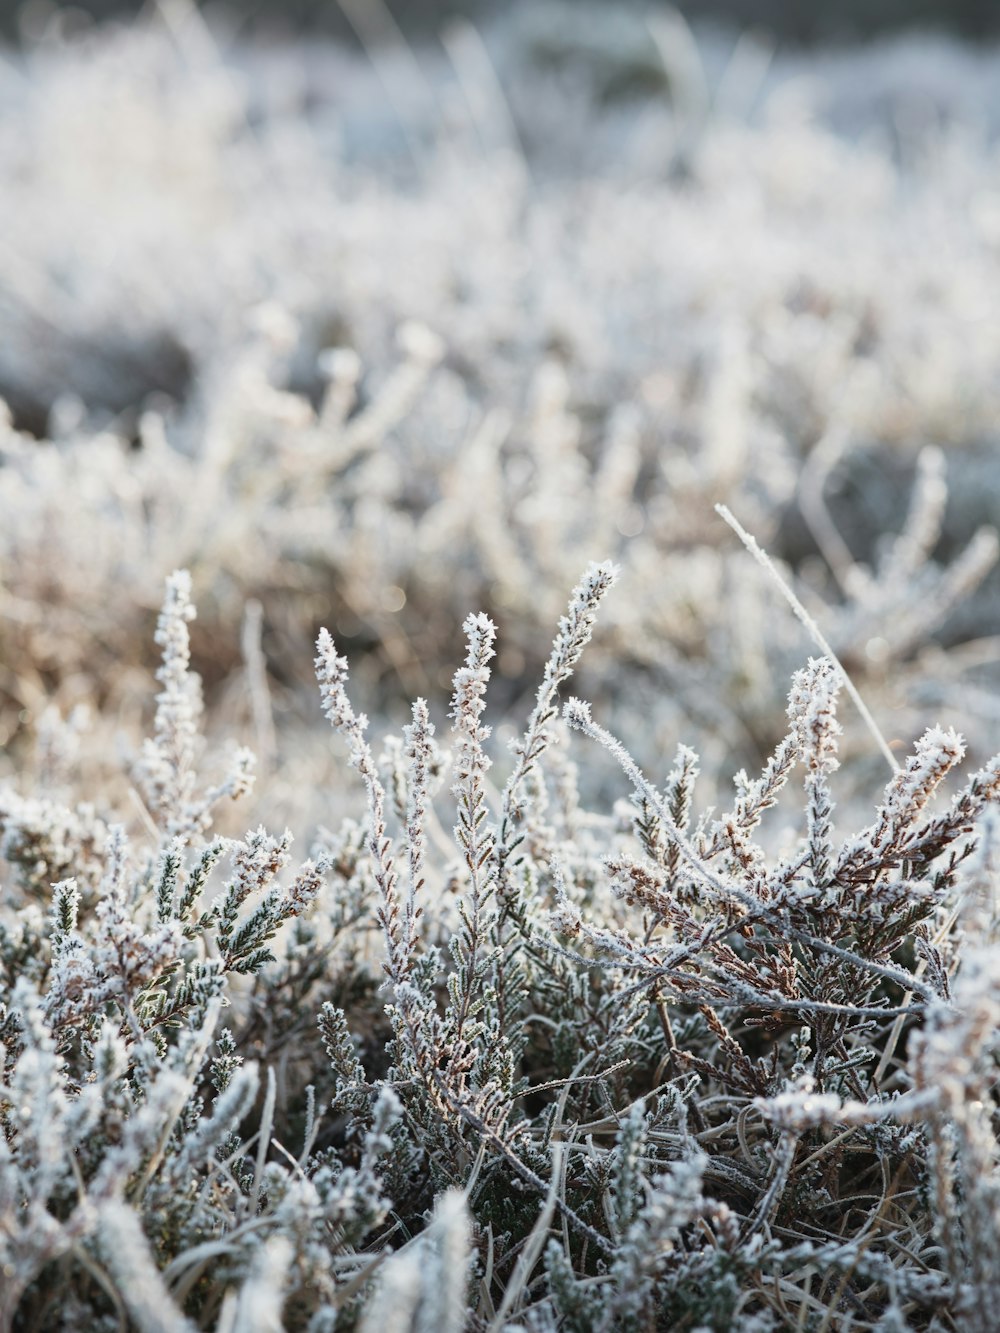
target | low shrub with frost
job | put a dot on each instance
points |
(370, 364)
(562, 1068)
(562, 1033)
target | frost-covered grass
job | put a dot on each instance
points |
(380, 362)
(552, 1023)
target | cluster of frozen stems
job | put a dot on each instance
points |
(617, 1071)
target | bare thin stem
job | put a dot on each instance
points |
(765, 562)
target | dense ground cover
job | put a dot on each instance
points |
(555, 1024)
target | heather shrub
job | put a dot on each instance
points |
(514, 1009)
(634, 1067)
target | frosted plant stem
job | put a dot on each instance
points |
(577, 714)
(764, 560)
(536, 1241)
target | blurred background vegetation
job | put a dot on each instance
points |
(369, 341)
(793, 21)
